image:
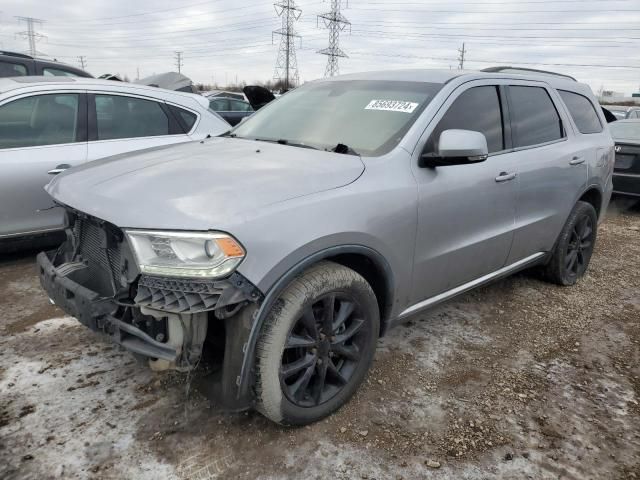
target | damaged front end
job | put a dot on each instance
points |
(95, 277)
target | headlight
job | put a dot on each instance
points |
(185, 254)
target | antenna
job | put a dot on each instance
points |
(286, 63)
(335, 22)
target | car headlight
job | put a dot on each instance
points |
(185, 254)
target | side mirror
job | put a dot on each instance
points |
(457, 147)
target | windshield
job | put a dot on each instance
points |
(368, 117)
(627, 130)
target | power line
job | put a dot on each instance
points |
(30, 33)
(286, 63)
(336, 23)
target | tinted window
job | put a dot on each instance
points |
(477, 109)
(219, 105)
(129, 117)
(534, 119)
(239, 106)
(39, 120)
(56, 72)
(10, 69)
(187, 117)
(582, 111)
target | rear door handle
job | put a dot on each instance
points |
(576, 161)
(505, 177)
(59, 169)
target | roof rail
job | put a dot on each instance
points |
(529, 70)
(15, 54)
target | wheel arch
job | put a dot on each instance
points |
(593, 196)
(364, 260)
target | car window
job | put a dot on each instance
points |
(369, 116)
(129, 117)
(188, 118)
(582, 111)
(534, 118)
(56, 72)
(239, 106)
(625, 130)
(476, 109)
(10, 69)
(39, 120)
(219, 105)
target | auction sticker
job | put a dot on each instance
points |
(392, 106)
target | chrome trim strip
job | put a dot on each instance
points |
(429, 302)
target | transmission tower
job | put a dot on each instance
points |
(179, 62)
(30, 33)
(336, 23)
(461, 54)
(286, 63)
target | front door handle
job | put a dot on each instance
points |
(505, 177)
(576, 161)
(59, 169)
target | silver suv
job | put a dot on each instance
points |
(284, 248)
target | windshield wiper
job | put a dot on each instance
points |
(344, 149)
(282, 141)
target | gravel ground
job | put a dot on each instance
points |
(520, 379)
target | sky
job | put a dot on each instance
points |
(223, 40)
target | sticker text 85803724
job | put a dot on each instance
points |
(392, 106)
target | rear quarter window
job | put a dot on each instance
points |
(10, 69)
(582, 111)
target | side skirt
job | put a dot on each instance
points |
(503, 272)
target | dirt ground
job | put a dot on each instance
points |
(518, 380)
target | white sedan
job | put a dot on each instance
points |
(48, 125)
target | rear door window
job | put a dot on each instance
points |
(239, 106)
(583, 112)
(219, 105)
(129, 117)
(476, 109)
(57, 72)
(39, 120)
(10, 69)
(534, 118)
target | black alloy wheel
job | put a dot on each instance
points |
(580, 246)
(323, 349)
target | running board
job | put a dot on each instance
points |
(503, 272)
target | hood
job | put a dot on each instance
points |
(199, 185)
(258, 96)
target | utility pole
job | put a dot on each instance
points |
(137, 73)
(83, 61)
(30, 33)
(286, 63)
(462, 52)
(335, 22)
(179, 62)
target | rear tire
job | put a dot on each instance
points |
(317, 345)
(572, 253)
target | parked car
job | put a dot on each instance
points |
(626, 175)
(234, 110)
(19, 65)
(331, 215)
(49, 126)
(223, 93)
(623, 113)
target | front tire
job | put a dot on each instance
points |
(574, 247)
(317, 345)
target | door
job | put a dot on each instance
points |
(552, 166)
(121, 123)
(40, 135)
(466, 213)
